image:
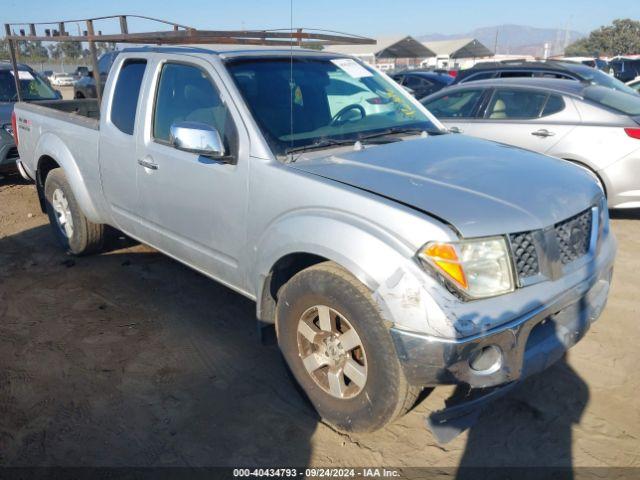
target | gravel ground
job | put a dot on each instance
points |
(129, 358)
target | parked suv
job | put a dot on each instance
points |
(34, 88)
(548, 69)
(85, 87)
(625, 69)
(80, 71)
(422, 84)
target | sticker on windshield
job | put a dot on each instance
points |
(351, 67)
(23, 75)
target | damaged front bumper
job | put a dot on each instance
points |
(492, 362)
(524, 346)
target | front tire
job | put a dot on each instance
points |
(339, 350)
(75, 233)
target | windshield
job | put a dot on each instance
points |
(621, 102)
(597, 77)
(305, 101)
(32, 87)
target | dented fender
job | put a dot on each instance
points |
(381, 261)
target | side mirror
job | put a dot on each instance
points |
(197, 137)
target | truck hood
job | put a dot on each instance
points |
(479, 187)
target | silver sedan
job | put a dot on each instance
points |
(596, 127)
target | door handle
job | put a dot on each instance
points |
(147, 164)
(455, 130)
(543, 132)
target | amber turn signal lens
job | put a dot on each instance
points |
(445, 257)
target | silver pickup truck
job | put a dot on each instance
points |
(389, 254)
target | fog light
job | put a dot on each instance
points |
(486, 360)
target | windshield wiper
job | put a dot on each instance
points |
(331, 142)
(324, 143)
(396, 131)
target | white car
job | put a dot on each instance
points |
(635, 84)
(62, 80)
(343, 92)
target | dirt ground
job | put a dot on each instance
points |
(131, 359)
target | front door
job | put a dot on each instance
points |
(193, 207)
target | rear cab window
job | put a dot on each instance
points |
(126, 93)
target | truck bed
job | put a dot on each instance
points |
(67, 131)
(85, 112)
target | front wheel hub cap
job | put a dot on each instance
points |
(332, 352)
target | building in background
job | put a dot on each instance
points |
(458, 53)
(390, 53)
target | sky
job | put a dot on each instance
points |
(365, 17)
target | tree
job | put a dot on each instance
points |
(104, 47)
(71, 50)
(4, 49)
(620, 38)
(32, 50)
(54, 51)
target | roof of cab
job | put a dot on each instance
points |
(235, 51)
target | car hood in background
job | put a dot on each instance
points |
(479, 187)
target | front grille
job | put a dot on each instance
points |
(524, 254)
(574, 235)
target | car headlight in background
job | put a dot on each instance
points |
(7, 128)
(478, 268)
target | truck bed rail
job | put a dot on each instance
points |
(83, 112)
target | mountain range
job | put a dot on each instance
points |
(515, 39)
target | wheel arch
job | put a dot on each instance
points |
(362, 251)
(280, 273)
(51, 153)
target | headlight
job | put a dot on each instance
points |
(7, 128)
(477, 268)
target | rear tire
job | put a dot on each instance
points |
(360, 385)
(75, 233)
